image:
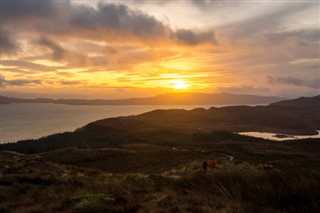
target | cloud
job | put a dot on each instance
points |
(201, 4)
(263, 23)
(26, 65)
(311, 35)
(18, 82)
(70, 83)
(57, 50)
(274, 53)
(313, 67)
(8, 43)
(118, 19)
(191, 38)
(106, 22)
(243, 90)
(29, 10)
(15, 70)
(121, 18)
(290, 80)
(296, 44)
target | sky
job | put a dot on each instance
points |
(141, 48)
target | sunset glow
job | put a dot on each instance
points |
(179, 84)
(106, 49)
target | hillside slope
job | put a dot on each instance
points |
(301, 116)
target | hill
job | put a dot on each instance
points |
(164, 99)
(302, 102)
(9, 100)
(301, 116)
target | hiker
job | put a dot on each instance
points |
(205, 165)
(213, 164)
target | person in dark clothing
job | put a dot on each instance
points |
(205, 165)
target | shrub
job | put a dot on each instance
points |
(285, 191)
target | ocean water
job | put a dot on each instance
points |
(28, 120)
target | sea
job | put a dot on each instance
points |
(20, 121)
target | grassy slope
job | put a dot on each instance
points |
(138, 177)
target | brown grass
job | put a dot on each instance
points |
(263, 177)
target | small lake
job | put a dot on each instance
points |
(281, 137)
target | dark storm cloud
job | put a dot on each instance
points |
(314, 84)
(22, 10)
(17, 82)
(8, 45)
(120, 17)
(106, 22)
(84, 17)
(107, 16)
(57, 50)
(191, 38)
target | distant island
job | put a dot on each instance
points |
(163, 99)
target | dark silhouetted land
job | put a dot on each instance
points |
(164, 99)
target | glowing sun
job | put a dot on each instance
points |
(179, 84)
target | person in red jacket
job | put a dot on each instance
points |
(213, 164)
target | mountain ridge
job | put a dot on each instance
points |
(295, 116)
(162, 99)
